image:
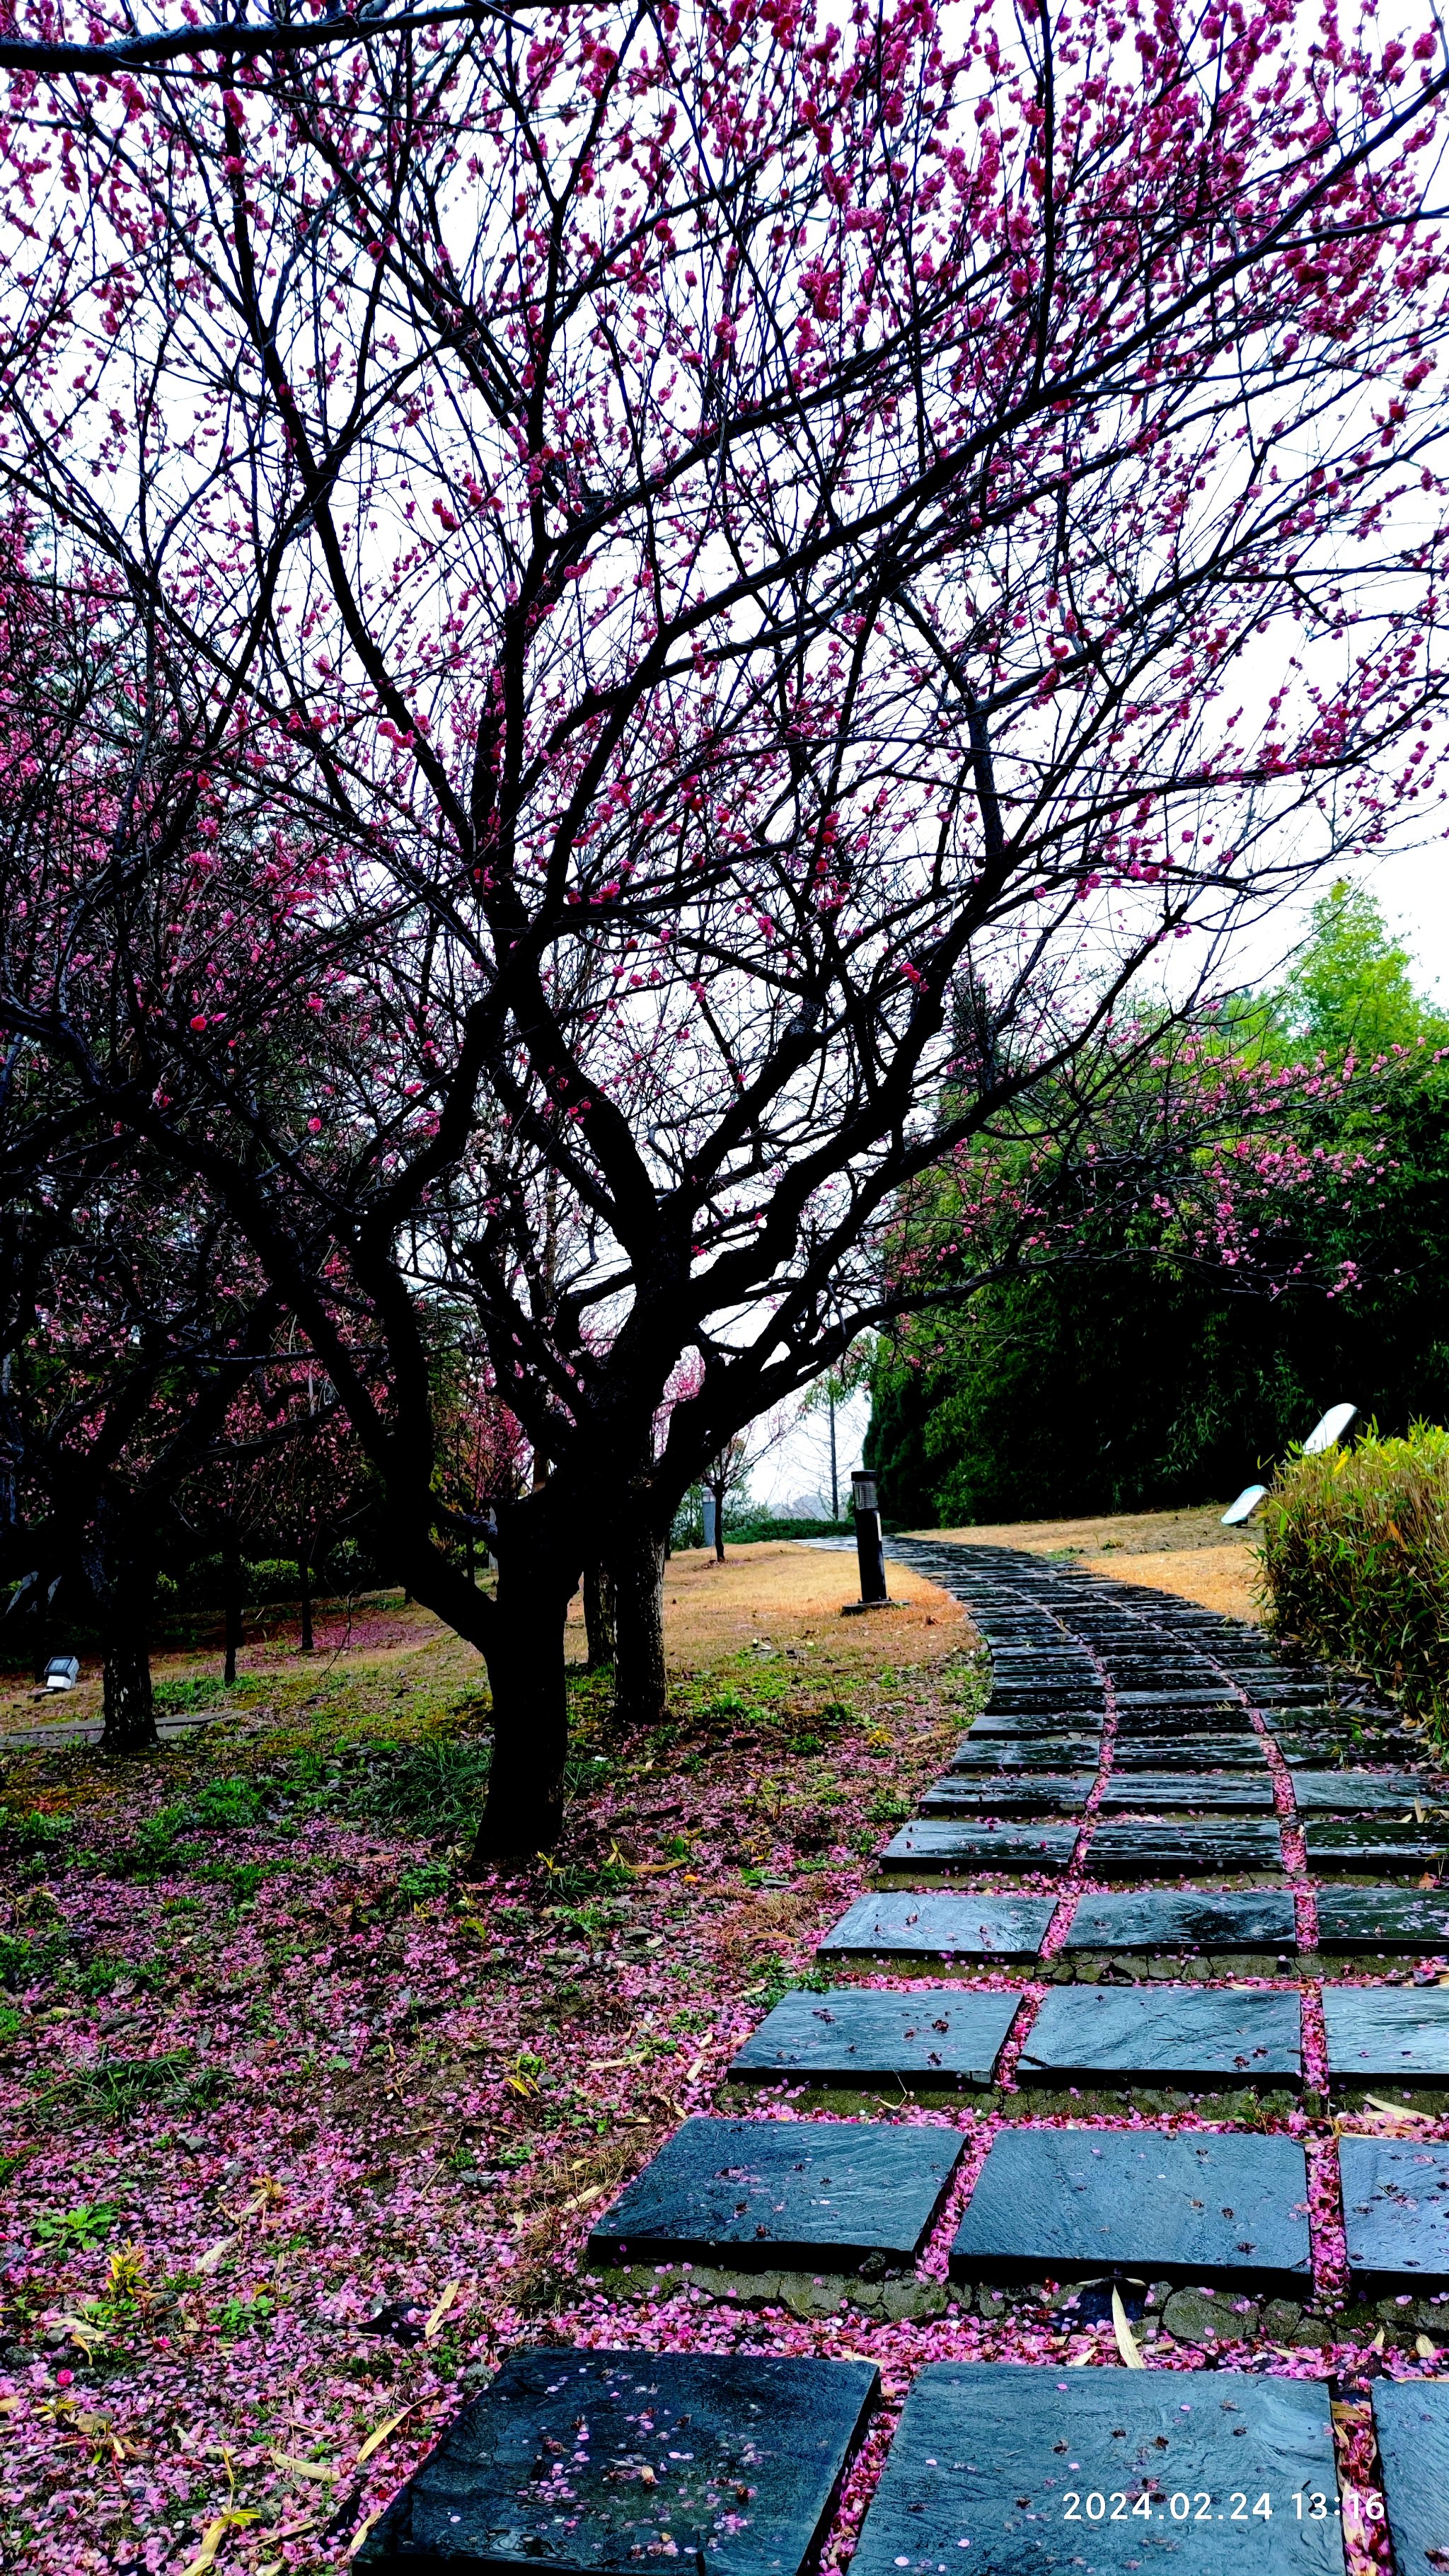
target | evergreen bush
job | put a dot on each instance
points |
(1356, 1561)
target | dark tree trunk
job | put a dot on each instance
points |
(128, 1707)
(640, 1688)
(524, 1647)
(304, 1577)
(42, 1627)
(599, 1616)
(231, 1580)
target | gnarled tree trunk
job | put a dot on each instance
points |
(231, 1581)
(524, 1647)
(599, 1616)
(128, 1707)
(640, 1684)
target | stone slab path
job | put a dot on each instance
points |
(1162, 1925)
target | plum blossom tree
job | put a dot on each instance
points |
(742, 576)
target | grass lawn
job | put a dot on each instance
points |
(1185, 1551)
(301, 2130)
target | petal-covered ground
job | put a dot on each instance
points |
(302, 2130)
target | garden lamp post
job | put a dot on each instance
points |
(869, 1546)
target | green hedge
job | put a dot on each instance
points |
(1356, 1561)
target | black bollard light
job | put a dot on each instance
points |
(869, 1545)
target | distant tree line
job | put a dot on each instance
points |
(1125, 1380)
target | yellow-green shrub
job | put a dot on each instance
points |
(1356, 1561)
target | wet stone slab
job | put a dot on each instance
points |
(1203, 1793)
(937, 2035)
(1037, 1721)
(1401, 1850)
(990, 1755)
(827, 2194)
(1225, 1752)
(1347, 1793)
(1170, 1850)
(935, 1923)
(1411, 2426)
(1068, 2204)
(1257, 1918)
(1167, 1705)
(1382, 1918)
(1163, 2035)
(935, 1843)
(1387, 2034)
(1033, 1793)
(993, 2464)
(596, 2461)
(1395, 2211)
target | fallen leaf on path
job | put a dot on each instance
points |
(304, 2468)
(212, 2538)
(375, 2440)
(1126, 2339)
(434, 2324)
(214, 2253)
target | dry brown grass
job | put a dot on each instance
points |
(1220, 1578)
(1101, 1534)
(1185, 1552)
(783, 1593)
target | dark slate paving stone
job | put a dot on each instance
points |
(936, 2035)
(1031, 1793)
(996, 1753)
(1170, 1726)
(1381, 1918)
(1035, 1723)
(1323, 1757)
(1005, 1702)
(936, 1923)
(934, 1843)
(1395, 2210)
(1411, 2427)
(771, 2192)
(548, 2465)
(1346, 1793)
(987, 2454)
(1163, 2035)
(1258, 1918)
(1411, 1849)
(1149, 1850)
(1387, 2034)
(1199, 1791)
(1191, 1703)
(1226, 1752)
(1067, 2204)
